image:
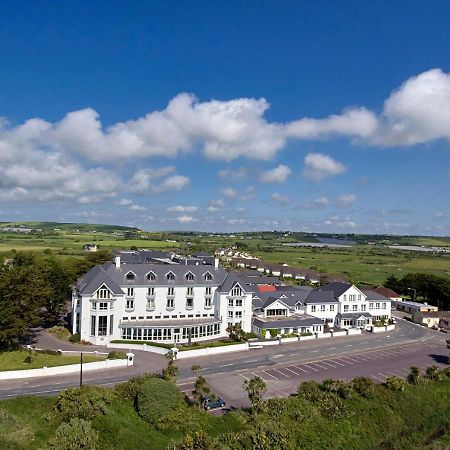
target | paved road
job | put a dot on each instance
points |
(283, 366)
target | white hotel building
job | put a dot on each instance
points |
(161, 297)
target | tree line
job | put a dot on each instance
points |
(34, 291)
(430, 288)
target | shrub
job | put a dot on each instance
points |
(49, 352)
(116, 355)
(60, 332)
(75, 338)
(413, 376)
(75, 435)
(341, 388)
(273, 332)
(83, 402)
(363, 386)
(433, 373)
(395, 383)
(156, 399)
(309, 390)
(130, 389)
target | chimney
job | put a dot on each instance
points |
(216, 262)
(117, 261)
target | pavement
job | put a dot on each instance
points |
(283, 367)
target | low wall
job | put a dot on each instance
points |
(62, 370)
(382, 329)
(142, 348)
(213, 350)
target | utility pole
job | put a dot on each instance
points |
(81, 369)
(414, 293)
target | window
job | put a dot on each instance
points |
(345, 308)
(208, 276)
(383, 305)
(94, 306)
(130, 292)
(377, 305)
(331, 307)
(238, 314)
(352, 297)
(150, 304)
(359, 297)
(276, 312)
(102, 325)
(370, 305)
(345, 297)
(322, 308)
(190, 291)
(170, 291)
(103, 293)
(130, 304)
(189, 303)
(190, 276)
(170, 303)
(93, 325)
(230, 314)
(355, 307)
(239, 302)
(313, 308)
(170, 276)
(236, 291)
(230, 302)
(103, 306)
(208, 291)
(151, 276)
(130, 276)
(151, 292)
(363, 307)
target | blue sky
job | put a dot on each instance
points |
(227, 116)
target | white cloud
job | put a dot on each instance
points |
(276, 175)
(212, 209)
(229, 192)
(233, 174)
(143, 181)
(124, 202)
(219, 203)
(249, 194)
(136, 207)
(319, 166)
(185, 219)
(345, 201)
(280, 198)
(236, 221)
(182, 209)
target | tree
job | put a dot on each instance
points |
(236, 333)
(395, 383)
(255, 388)
(414, 375)
(171, 371)
(201, 389)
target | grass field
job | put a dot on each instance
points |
(16, 360)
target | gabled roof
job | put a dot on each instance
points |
(337, 288)
(385, 291)
(95, 278)
(230, 281)
(270, 300)
(372, 295)
(319, 296)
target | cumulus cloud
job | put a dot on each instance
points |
(229, 192)
(124, 202)
(276, 175)
(185, 219)
(136, 207)
(345, 200)
(318, 166)
(280, 198)
(151, 181)
(417, 112)
(234, 174)
(249, 194)
(182, 209)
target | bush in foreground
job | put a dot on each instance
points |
(130, 388)
(156, 399)
(75, 435)
(115, 354)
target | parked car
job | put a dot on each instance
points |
(212, 403)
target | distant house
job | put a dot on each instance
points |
(91, 247)
(388, 293)
(436, 319)
(413, 307)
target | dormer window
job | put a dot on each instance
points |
(236, 291)
(170, 276)
(151, 276)
(103, 292)
(130, 276)
(190, 276)
(208, 276)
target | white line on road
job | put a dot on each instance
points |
(254, 374)
(299, 368)
(279, 371)
(290, 370)
(270, 375)
(309, 367)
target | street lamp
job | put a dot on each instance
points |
(81, 369)
(414, 293)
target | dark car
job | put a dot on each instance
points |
(211, 403)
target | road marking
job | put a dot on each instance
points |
(349, 345)
(254, 374)
(270, 375)
(279, 371)
(308, 365)
(313, 351)
(333, 348)
(377, 378)
(290, 370)
(232, 364)
(328, 364)
(244, 377)
(299, 368)
(337, 362)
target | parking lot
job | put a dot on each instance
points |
(283, 379)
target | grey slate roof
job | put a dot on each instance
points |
(337, 288)
(372, 295)
(230, 281)
(319, 296)
(291, 322)
(353, 315)
(115, 277)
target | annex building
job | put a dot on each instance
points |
(163, 297)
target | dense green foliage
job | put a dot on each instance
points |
(319, 417)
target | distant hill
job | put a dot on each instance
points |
(67, 226)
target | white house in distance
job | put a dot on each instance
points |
(163, 297)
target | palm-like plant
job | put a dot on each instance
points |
(255, 388)
(433, 373)
(414, 375)
(201, 389)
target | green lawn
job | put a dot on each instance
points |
(16, 360)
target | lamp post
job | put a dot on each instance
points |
(414, 293)
(81, 369)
